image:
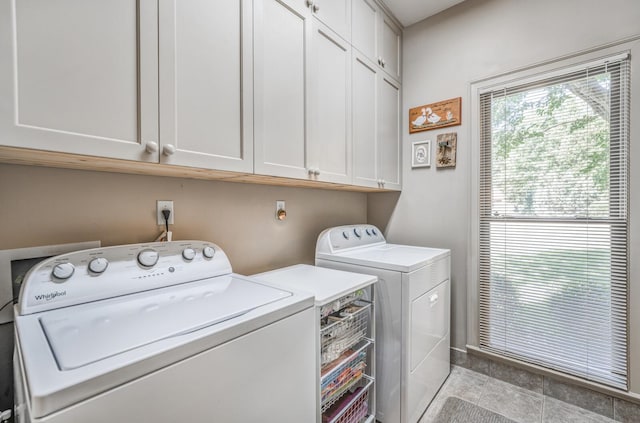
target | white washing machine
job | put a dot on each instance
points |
(412, 314)
(160, 332)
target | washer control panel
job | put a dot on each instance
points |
(96, 274)
(349, 236)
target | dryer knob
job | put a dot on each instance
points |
(98, 264)
(148, 258)
(208, 252)
(357, 232)
(63, 270)
(345, 234)
(189, 254)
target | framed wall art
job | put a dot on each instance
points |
(421, 154)
(447, 146)
(435, 115)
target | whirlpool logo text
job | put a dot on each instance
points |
(50, 296)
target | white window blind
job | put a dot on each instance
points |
(554, 221)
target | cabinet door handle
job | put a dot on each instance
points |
(151, 147)
(380, 61)
(309, 3)
(168, 150)
(316, 172)
(383, 62)
(315, 8)
(433, 299)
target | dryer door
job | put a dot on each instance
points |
(429, 322)
(428, 345)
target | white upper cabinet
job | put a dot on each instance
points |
(376, 36)
(282, 31)
(302, 94)
(365, 21)
(335, 14)
(75, 77)
(302, 89)
(390, 47)
(206, 84)
(376, 126)
(365, 120)
(329, 153)
(388, 142)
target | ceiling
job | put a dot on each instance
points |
(409, 12)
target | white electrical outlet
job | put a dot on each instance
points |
(164, 205)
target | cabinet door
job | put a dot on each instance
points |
(335, 14)
(390, 47)
(206, 84)
(281, 35)
(389, 133)
(329, 106)
(80, 77)
(364, 92)
(365, 21)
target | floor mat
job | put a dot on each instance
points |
(456, 410)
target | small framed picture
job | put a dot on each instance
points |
(421, 154)
(447, 147)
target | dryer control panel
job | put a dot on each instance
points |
(346, 237)
(100, 273)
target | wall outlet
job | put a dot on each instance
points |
(164, 205)
(281, 213)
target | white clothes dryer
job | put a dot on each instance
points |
(160, 332)
(412, 314)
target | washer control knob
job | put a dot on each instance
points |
(63, 270)
(98, 264)
(208, 252)
(374, 232)
(368, 231)
(357, 232)
(189, 254)
(345, 234)
(148, 258)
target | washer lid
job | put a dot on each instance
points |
(90, 334)
(401, 258)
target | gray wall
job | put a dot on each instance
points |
(442, 56)
(43, 206)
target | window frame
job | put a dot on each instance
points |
(527, 75)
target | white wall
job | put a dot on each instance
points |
(442, 56)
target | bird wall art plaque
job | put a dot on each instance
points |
(435, 115)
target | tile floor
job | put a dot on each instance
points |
(518, 404)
